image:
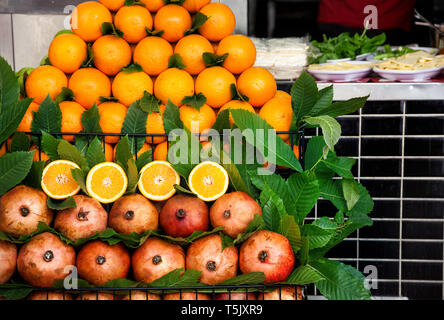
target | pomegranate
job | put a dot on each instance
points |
(234, 211)
(285, 293)
(21, 210)
(8, 260)
(44, 259)
(155, 258)
(95, 296)
(267, 252)
(141, 295)
(84, 221)
(235, 296)
(187, 296)
(217, 265)
(49, 296)
(98, 262)
(133, 213)
(182, 215)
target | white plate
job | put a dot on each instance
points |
(342, 75)
(339, 60)
(363, 57)
(371, 56)
(409, 76)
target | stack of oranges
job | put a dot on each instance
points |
(147, 33)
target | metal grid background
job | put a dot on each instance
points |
(399, 147)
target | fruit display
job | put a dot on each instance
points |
(119, 161)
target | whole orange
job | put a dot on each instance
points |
(130, 87)
(25, 124)
(87, 19)
(133, 21)
(153, 5)
(191, 48)
(112, 115)
(237, 104)
(173, 20)
(154, 125)
(278, 113)
(221, 22)
(241, 53)
(161, 152)
(175, 85)
(197, 121)
(282, 94)
(111, 54)
(153, 54)
(215, 84)
(258, 84)
(89, 85)
(194, 6)
(113, 5)
(67, 52)
(45, 80)
(71, 118)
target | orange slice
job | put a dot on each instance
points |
(106, 182)
(209, 180)
(157, 180)
(57, 180)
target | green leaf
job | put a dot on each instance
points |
(34, 177)
(132, 68)
(50, 146)
(91, 120)
(176, 61)
(95, 153)
(48, 118)
(341, 281)
(236, 95)
(227, 241)
(351, 192)
(154, 33)
(341, 108)
(133, 176)
(318, 237)
(341, 166)
(332, 191)
(109, 29)
(80, 177)
(45, 61)
(144, 159)
(123, 153)
(22, 75)
(365, 203)
(222, 121)
(245, 279)
(149, 103)
(331, 129)
(14, 167)
(134, 124)
(182, 190)
(277, 149)
(9, 87)
(134, 3)
(171, 118)
(11, 116)
(304, 94)
(212, 59)
(69, 203)
(15, 291)
(189, 278)
(20, 142)
(256, 225)
(290, 230)
(305, 250)
(89, 61)
(108, 99)
(69, 152)
(65, 95)
(65, 31)
(304, 275)
(199, 21)
(304, 191)
(184, 152)
(325, 99)
(273, 209)
(197, 101)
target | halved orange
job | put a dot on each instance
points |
(209, 181)
(57, 181)
(157, 180)
(106, 182)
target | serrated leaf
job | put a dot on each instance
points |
(154, 33)
(109, 29)
(304, 275)
(9, 87)
(95, 153)
(79, 176)
(304, 94)
(182, 190)
(65, 31)
(245, 279)
(14, 167)
(45, 61)
(144, 159)
(132, 68)
(351, 192)
(133, 176)
(91, 120)
(20, 142)
(227, 241)
(340, 281)
(324, 100)
(318, 237)
(332, 191)
(178, 278)
(149, 103)
(331, 129)
(50, 146)
(108, 99)
(341, 108)
(222, 121)
(273, 209)
(176, 61)
(199, 21)
(184, 151)
(89, 61)
(69, 152)
(48, 118)
(22, 75)
(34, 177)
(171, 118)
(15, 291)
(11, 116)
(304, 191)
(69, 203)
(313, 155)
(123, 153)
(340, 165)
(278, 149)
(197, 101)
(212, 59)
(65, 95)
(135, 124)
(305, 250)
(236, 95)
(365, 203)
(290, 230)
(256, 225)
